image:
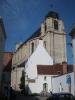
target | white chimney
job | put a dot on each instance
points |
(42, 29)
(41, 42)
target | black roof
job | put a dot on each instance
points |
(34, 35)
(52, 14)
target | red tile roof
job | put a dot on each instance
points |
(54, 69)
(7, 57)
(7, 61)
(8, 67)
(49, 69)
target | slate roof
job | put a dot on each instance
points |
(34, 35)
(52, 14)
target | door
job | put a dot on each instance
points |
(45, 87)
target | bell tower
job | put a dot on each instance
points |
(53, 28)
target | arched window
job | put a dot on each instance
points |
(45, 44)
(45, 78)
(32, 48)
(55, 24)
(45, 27)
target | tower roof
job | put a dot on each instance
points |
(52, 14)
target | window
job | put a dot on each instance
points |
(45, 44)
(45, 87)
(32, 47)
(45, 78)
(58, 72)
(55, 24)
(45, 27)
(13, 68)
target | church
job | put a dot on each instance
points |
(46, 47)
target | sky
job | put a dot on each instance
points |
(23, 17)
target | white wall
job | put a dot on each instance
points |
(63, 80)
(39, 57)
(37, 87)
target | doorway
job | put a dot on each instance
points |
(45, 87)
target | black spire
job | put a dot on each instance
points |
(52, 14)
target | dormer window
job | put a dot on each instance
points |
(55, 25)
(32, 47)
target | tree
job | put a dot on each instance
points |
(22, 84)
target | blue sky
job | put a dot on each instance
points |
(23, 17)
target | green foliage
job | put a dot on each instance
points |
(22, 84)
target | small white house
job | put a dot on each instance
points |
(38, 82)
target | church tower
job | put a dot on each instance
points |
(54, 37)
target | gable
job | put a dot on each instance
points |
(41, 56)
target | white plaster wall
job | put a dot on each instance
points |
(62, 79)
(39, 57)
(37, 87)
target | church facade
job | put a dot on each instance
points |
(53, 35)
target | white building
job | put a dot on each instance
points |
(38, 81)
